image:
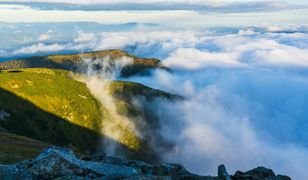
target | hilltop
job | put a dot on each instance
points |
(74, 62)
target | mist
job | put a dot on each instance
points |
(244, 93)
(98, 75)
(245, 99)
(240, 118)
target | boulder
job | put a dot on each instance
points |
(96, 157)
(282, 177)
(259, 173)
(57, 162)
(168, 169)
(222, 173)
(144, 167)
(60, 163)
(115, 160)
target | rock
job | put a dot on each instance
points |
(174, 170)
(115, 160)
(62, 164)
(8, 172)
(149, 177)
(282, 177)
(144, 167)
(4, 115)
(56, 162)
(259, 173)
(96, 158)
(222, 173)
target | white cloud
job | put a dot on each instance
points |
(199, 5)
(194, 50)
(238, 50)
(14, 7)
(40, 47)
(116, 1)
(44, 37)
(232, 115)
(84, 37)
(190, 58)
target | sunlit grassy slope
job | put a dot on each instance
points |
(56, 92)
(51, 106)
(48, 105)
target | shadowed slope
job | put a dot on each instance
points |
(14, 148)
(24, 118)
(51, 106)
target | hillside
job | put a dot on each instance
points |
(42, 104)
(51, 106)
(14, 148)
(73, 62)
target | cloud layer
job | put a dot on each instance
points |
(198, 5)
(246, 97)
(251, 47)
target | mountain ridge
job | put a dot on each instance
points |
(74, 62)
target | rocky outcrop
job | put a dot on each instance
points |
(60, 163)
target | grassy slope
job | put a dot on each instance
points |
(55, 92)
(14, 148)
(50, 106)
(42, 104)
(73, 61)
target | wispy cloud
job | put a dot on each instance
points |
(40, 48)
(199, 5)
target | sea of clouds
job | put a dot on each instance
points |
(245, 91)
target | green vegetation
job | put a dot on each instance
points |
(14, 148)
(74, 61)
(51, 106)
(54, 91)
(127, 90)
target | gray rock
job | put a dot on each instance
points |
(259, 173)
(4, 115)
(149, 177)
(144, 167)
(222, 173)
(96, 157)
(11, 172)
(174, 170)
(8, 172)
(282, 177)
(62, 164)
(115, 160)
(56, 162)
